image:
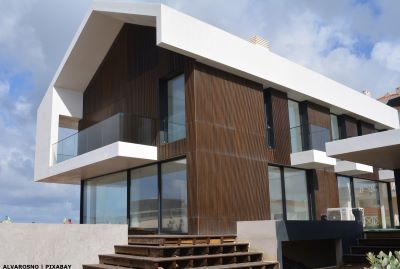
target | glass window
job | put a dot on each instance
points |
(334, 127)
(275, 192)
(319, 136)
(144, 198)
(269, 120)
(173, 123)
(366, 194)
(296, 194)
(344, 188)
(384, 202)
(295, 126)
(105, 199)
(174, 196)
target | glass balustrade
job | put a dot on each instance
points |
(309, 136)
(119, 127)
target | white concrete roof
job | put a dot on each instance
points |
(210, 45)
(379, 149)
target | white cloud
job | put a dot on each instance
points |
(4, 88)
(387, 54)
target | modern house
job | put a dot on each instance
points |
(180, 127)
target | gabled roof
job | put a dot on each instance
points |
(207, 44)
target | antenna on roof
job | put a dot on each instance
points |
(258, 40)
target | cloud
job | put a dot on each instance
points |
(388, 55)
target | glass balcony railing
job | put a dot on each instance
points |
(309, 136)
(120, 127)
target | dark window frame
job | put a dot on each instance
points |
(309, 186)
(269, 119)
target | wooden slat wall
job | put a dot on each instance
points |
(349, 126)
(318, 115)
(128, 80)
(229, 182)
(326, 193)
(281, 153)
(366, 128)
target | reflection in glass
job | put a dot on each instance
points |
(318, 137)
(296, 194)
(174, 121)
(174, 196)
(144, 198)
(105, 199)
(384, 202)
(367, 197)
(275, 192)
(394, 204)
(295, 128)
(334, 127)
(344, 188)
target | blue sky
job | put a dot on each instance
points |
(354, 42)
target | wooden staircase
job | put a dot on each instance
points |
(373, 242)
(182, 251)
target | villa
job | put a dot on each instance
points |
(183, 131)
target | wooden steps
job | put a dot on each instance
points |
(182, 251)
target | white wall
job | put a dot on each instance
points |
(66, 244)
(56, 102)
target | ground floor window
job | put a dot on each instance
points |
(288, 193)
(104, 199)
(152, 197)
(372, 196)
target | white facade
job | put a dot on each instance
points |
(205, 43)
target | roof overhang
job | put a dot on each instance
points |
(212, 46)
(311, 159)
(352, 169)
(379, 149)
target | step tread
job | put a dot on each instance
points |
(183, 246)
(177, 258)
(225, 266)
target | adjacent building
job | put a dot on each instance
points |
(177, 126)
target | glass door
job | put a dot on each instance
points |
(366, 194)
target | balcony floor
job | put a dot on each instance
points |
(108, 159)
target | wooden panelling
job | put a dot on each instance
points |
(229, 182)
(326, 192)
(128, 81)
(365, 128)
(348, 126)
(280, 154)
(318, 115)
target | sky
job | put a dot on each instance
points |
(356, 42)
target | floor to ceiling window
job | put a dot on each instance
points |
(174, 196)
(295, 126)
(104, 199)
(172, 109)
(295, 204)
(144, 201)
(157, 198)
(372, 196)
(344, 189)
(275, 192)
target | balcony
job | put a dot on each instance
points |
(348, 168)
(308, 147)
(119, 142)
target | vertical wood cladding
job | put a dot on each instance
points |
(230, 178)
(348, 126)
(128, 81)
(365, 128)
(318, 115)
(280, 154)
(326, 193)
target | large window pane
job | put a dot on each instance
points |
(295, 128)
(173, 124)
(144, 198)
(296, 194)
(334, 127)
(105, 199)
(275, 192)
(344, 188)
(394, 204)
(174, 196)
(367, 197)
(384, 202)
